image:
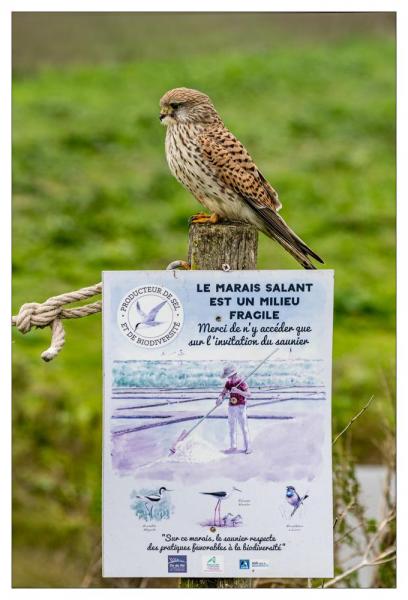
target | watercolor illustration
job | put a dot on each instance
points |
(294, 499)
(236, 419)
(294, 502)
(217, 420)
(152, 504)
(227, 520)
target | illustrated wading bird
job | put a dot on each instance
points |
(149, 319)
(294, 499)
(227, 520)
(215, 167)
(150, 500)
(219, 496)
(237, 520)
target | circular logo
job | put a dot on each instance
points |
(150, 316)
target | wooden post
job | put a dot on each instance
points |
(212, 247)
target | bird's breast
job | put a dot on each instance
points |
(187, 164)
(182, 153)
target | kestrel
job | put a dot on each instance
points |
(216, 168)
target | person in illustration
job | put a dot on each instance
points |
(237, 389)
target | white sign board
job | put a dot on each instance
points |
(217, 424)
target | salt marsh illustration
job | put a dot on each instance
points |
(169, 415)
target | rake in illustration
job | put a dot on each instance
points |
(186, 433)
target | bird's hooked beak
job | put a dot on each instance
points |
(166, 113)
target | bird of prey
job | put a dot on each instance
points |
(294, 499)
(149, 319)
(216, 168)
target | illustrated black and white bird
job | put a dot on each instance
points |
(150, 500)
(149, 319)
(219, 496)
(294, 499)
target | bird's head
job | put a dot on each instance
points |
(163, 489)
(290, 490)
(183, 105)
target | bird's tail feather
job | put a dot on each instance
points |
(299, 255)
(275, 227)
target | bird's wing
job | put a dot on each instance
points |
(152, 314)
(139, 310)
(233, 165)
(236, 167)
(154, 323)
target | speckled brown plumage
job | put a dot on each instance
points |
(216, 168)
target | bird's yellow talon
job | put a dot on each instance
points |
(199, 218)
(204, 218)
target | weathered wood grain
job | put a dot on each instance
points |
(212, 246)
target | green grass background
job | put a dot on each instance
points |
(315, 105)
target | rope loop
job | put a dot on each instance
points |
(23, 321)
(51, 312)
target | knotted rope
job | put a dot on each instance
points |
(51, 312)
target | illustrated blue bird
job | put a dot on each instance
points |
(294, 499)
(149, 319)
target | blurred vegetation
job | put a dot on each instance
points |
(92, 191)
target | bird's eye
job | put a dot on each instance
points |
(175, 105)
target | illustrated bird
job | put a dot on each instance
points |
(216, 168)
(227, 520)
(149, 319)
(150, 500)
(219, 496)
(237, 520)
(294, 499)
